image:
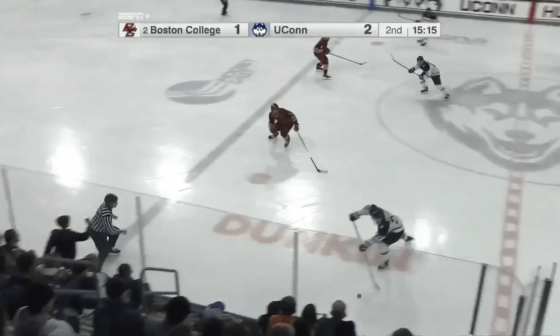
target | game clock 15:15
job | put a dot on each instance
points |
(425, 30)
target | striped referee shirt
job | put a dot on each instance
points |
(102, 221)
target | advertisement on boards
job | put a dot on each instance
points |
(547, 11)
(412, 4)
(514, 9)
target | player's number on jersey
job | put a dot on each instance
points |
(237, 28)
(367, 28)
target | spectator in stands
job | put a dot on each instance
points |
(281, 329)
(10, 250)
(304, 325)
(212, 327)
(133, 285)
(35, 319)
(176, 312)
(3, 322)
(181, 330)
(272, 309)
(102, 230)
(336, 326)
(11, 238)
(113, 318)
(285, 315)
(16, 293)
(63, 241)
(309, 315)
(302, 328)
(73, 305)
(4, 276)
(80, 278)
(402, 332)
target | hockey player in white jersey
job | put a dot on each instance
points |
(389, 231)
(427, 16)
(431, 71)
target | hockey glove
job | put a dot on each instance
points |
(327, 51)
(411, 70)
(296, 128)
(272, 128)
(354, 216)
(364, 246)
(422, 76)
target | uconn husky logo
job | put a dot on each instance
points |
(259, 29)
(483, 115)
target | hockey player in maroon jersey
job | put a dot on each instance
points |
(281, 121)
(320, 51)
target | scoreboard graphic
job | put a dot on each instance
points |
(136, 28)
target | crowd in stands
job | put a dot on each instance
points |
(54, 294)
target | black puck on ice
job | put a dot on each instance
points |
(359, 296)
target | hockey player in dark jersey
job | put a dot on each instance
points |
(427, 16)
(390, 230)
(321, 50)
(281, 121)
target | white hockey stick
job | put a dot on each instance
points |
(370, 272)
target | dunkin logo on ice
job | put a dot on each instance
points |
(318, 243)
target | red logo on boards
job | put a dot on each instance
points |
(130, 29)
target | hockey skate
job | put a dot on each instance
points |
(319, 67)
(408, 239)
(446, 96)
(271, 137)
(424, 90)
(325, 76)
(383, 266)
(287, 142)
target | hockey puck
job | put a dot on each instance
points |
(359, 296)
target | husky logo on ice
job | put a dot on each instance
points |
(515, 129)
(259, 29)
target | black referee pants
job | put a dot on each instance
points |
(104, 243)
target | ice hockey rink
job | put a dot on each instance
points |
(85, 113)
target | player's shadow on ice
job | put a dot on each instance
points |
(283, 169)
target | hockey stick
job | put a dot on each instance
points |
(308, 153)
(409, 19)
(370, 273)
(394, 60)
(349, 60)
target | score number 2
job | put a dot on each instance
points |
(367, 28)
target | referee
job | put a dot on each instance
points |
(102, 230)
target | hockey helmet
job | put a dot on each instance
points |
(419, 59)
(111, 198)
(374, 210)
(325, 38)
(274, 106)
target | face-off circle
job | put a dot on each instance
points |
(480, 119)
